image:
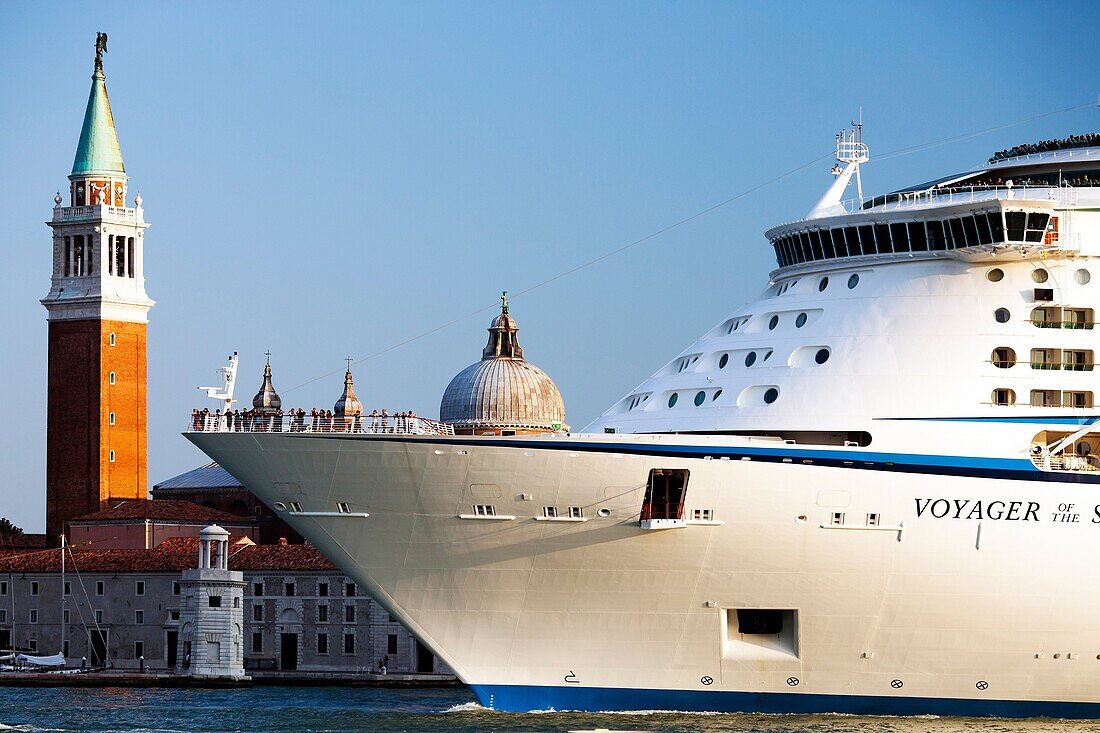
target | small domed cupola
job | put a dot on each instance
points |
(503, 394)
(348, 405)
(267, 400)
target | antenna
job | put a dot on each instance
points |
(229, 378)
(851, 151)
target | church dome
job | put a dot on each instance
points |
(503, 391)
(348, 405)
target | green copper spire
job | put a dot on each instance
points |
(98, 151)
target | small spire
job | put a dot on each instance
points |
(348, 405)
(98, 151)
(267, 400)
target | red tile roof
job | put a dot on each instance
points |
(23, 541)
(171, 556)
(162, 510)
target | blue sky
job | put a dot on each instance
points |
(330, 180)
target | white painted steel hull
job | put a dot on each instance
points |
(946, 614)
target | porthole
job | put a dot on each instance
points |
(995, 275)
(716, 395)
(853, 281)
(723, 361)
(1002, 315)
(824, 283)
(800, 321)
(672, 399)
(821, 356)
(767, 355)
(700, 398)
(1004, 357)
(750, 358)
(771, 395)
(279, 506)
(1040, 275)
(773, 323)
(604, 512)
(1082, 277)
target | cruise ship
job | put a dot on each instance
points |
(872, 489)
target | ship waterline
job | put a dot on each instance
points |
(913, 602)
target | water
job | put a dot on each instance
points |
(442, 710)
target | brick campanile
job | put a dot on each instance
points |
(98, 311)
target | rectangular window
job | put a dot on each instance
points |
(702, 515)
(65, 648)
(33, 643)
(815, 245)
(917, 240)
(130, 257)
(3, 615)
(872, 519)
(258, 612)
(139, 649)
(899, 236)
(288, 589)
(349, 643)
(985, 236)
(349, 614)
(99, 587)
(111, 418)
(882, 239)
(139, 588)
(1046, 359)
(839, 245)
(295, 506)
(257, 589)
(322, 613)
(322, 643)
(958, 237)
(550, 512)
(139, 616)
(391, 644)
(827, 244)
(322, 589)
(838, 518)
(1046, 398)
(1077, 399)
(173, 615)
(34, 616)
(175, 587)
(576, 512)
(971, 231)
(392, 619)
(1014, 223)
(1077, 361)
(257, 642)
(236, 602)
(68, 258)
(936, 241)
(215, 601)
(996, 226)
(664, 494)
(349, 590)
(99, 615)
(343, 507)
(34, 587)
(64, 616)
(111, 457)
(4, 588)
(68, 589)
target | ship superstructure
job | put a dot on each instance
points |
(873, 488)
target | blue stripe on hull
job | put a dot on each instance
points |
(523, 698)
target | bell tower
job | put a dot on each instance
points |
(97, 313)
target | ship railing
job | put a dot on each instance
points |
(206, 422)
(1079, 325)
(1065, 462)
(1066, 366)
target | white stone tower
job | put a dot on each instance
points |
(212, 617)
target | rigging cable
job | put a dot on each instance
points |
(900, 152)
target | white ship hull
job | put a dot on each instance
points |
(974, 594)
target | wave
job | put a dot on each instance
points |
(469, 707)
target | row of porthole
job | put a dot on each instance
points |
(770, 395)
(853, 281)
(820, 357)
(1040, 275)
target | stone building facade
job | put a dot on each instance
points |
(123, 605)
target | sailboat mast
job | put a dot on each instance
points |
(63, 599)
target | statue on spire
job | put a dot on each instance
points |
(100, 47)
(504, 302)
